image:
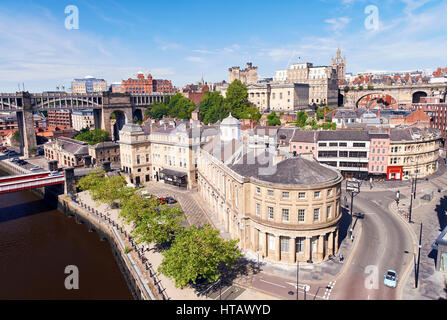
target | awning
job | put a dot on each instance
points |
(173, 173)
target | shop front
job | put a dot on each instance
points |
(394, 173)
(176, 178)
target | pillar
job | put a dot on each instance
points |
(277, 248)
(97, 118)
(330, 243)
(256, 239)
(320, 248)
(336, 242)
(307, 248)
(263, 243)
(70, 182)
(292, 252)
(28, 142)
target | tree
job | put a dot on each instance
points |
(157, 111)
(180, 107)
(110, 190)
(16, 136)
(93, 137)
(158, 224)
(133, 205)
(198, 252)
(301, 118)
(213, 108)
(237, 102)
(92, 180)
(273, 119)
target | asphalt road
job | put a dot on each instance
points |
(385, 244)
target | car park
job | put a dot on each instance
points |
(390, 279)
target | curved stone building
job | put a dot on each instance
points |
(282, 209)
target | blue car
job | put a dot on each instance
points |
(390, 279)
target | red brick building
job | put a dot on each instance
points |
(195, 93)
(439, 122)
(149, 85)
(160, 85)
(59, 118)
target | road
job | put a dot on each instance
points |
(385, 244)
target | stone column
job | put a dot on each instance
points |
(330, 243)
(70, 181)
(277, 248)
(292, 252)
(263, 243)
(255, 239)
(320, 248)
(336, 242)
(307, 248)
(28, 142)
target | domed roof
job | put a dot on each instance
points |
(230, 120)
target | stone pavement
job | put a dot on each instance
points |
(432, 214)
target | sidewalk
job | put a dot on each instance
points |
(431, 283)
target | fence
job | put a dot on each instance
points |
(110, 224)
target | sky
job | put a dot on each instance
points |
(181, 40)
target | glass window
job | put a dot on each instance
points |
(301, 215)
(285, 195)
(329, 192)
(285, 215)
(317, 194)
(285, 241)
(270, 193)
(302, 195)
(258, 190)
(328, 212)
(270, 212)
(271, 242)
(300, 244)
(258, 209)
(317, 214)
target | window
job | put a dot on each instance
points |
(258, 209)
(316, 194)
(358, 145)
(343, 144)
(285, 195)
(328, 212)
(270, 213)
(301, 215)
(300, 244)
(285, 215)
(271, 242)
(285, 241)
(317, 214)
(301, 195)
(329, 192)
(258, 190)
(270, 193)
(321, 144)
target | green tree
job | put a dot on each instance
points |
(93, 137)
(213, 108)
(157, 111)
(92, 180)
(237, 102)
(301, 119)
(158, 224)
(180, 107)
(110, 190)
(133, 205)
(273, 119)
(197, 252)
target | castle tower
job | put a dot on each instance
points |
(339, 64)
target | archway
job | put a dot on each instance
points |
(372, 100)
(118, 120)
(418, 95)
(137, 115)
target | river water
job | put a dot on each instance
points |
(37, 242)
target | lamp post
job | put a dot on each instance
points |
(419, 256)
(352, 188)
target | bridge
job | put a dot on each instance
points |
(125, 106)
(405, 94)
(29, 181)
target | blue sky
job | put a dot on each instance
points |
(180, 40)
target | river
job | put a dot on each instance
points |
(37, 242)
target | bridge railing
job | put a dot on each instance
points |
(30, 184)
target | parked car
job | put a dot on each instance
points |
(35, 168)
(170, 200)
(55, 174)
(22, 162)
(390, 279)
(162, 200)
(14, 159)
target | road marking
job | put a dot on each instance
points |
(302, 286)
(275, 284)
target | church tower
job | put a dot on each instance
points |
(339, 64)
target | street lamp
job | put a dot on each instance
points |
(419, 257)
(297, 277)
(352, 188)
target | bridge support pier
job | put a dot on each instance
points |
(70, 181)
(97, 117)
(28, 142)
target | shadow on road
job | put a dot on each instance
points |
(441, 209)
(345, 221)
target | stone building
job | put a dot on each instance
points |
(105, 151)
(246, 76)
(287, 210)
(82, 119)
(67, 152)
(278, 96)
(135, 153)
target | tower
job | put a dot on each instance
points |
(339, 64)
